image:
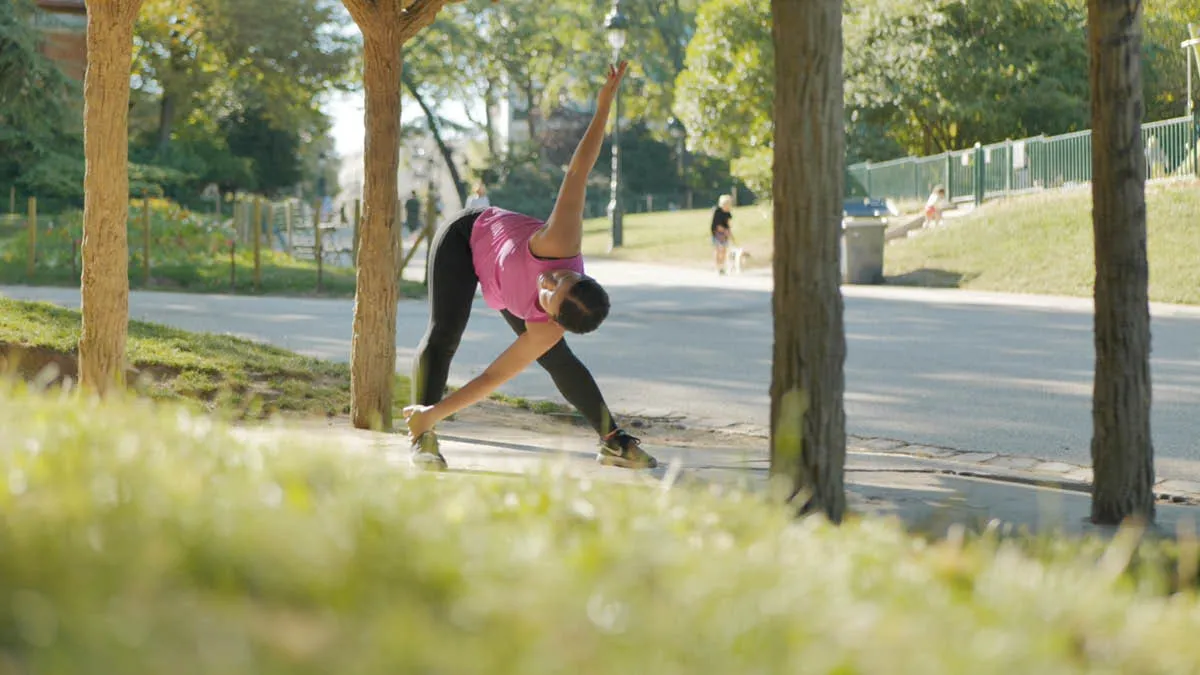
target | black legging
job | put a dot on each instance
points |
(452, 284)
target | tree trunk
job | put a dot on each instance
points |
(105, 280)
(448, 157)
(530, 121)
(1122, 453)
(386, 25)
(166, 119)
(808, 421)
(489, 99)
(373, 350)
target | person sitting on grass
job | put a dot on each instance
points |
(934, 207)
(533, 273)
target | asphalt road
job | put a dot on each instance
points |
(973, 371)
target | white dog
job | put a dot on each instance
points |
(733, 259)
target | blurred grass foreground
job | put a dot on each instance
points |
(140, 537)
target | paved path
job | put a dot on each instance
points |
(928, 494)
(973, 371)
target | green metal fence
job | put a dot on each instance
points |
(1028, 164)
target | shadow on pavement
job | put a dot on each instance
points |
(929, 278)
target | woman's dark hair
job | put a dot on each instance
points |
(584, 308)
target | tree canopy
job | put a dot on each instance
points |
(921, 76)
(40, 145)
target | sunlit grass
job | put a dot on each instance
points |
(216, 372)
(143, 539)
(1044, 244)
(681, 237)
(1034, 244)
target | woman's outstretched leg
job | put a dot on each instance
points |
(575, 382)
(452, 283)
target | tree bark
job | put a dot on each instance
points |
(530, 121)
(105, 280)
(1122, 452)
(373, 349)
(386, 25)
(489, 99)
(808, 421)
(166, 120)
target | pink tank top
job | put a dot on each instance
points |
(506, 268)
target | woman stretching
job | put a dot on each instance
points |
(531, 271)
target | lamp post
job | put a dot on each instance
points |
(1191, 50)
(616, 24)
(322, 167)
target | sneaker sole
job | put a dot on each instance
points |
(609, 460)
(432, 464)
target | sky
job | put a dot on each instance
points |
(346, 112)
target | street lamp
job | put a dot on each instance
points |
(616, 25)
(1192, 49)
(322, 159)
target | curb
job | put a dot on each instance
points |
(1016, 468)
(952, 461)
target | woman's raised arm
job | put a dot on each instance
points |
(563, 235)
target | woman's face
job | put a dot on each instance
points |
(553, 288)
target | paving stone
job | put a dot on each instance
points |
(975, 457)
(1055, 467)
(931, 451)
(1187, 487)
(879, 444)
(1013, 462)
(1080, 474)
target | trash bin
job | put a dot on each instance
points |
(862, 250)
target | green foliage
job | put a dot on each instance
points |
(921, 76)
(551, 53)
(1164, 68)
(227, 92)
(273, 152)
(659, 34)
(39, 128)
(189, 251)
(648, 167)
(224, 92)
(943, 75)
(146, 538)
(756, 167)
(724, 96)
(530, 186)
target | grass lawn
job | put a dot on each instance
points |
(681, 237)
(140, 539)
(1035, 244)
(1043, 244)
(216, 372)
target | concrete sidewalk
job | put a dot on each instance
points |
(927, 493)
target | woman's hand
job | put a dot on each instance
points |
(420, 419)
(615, 75)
